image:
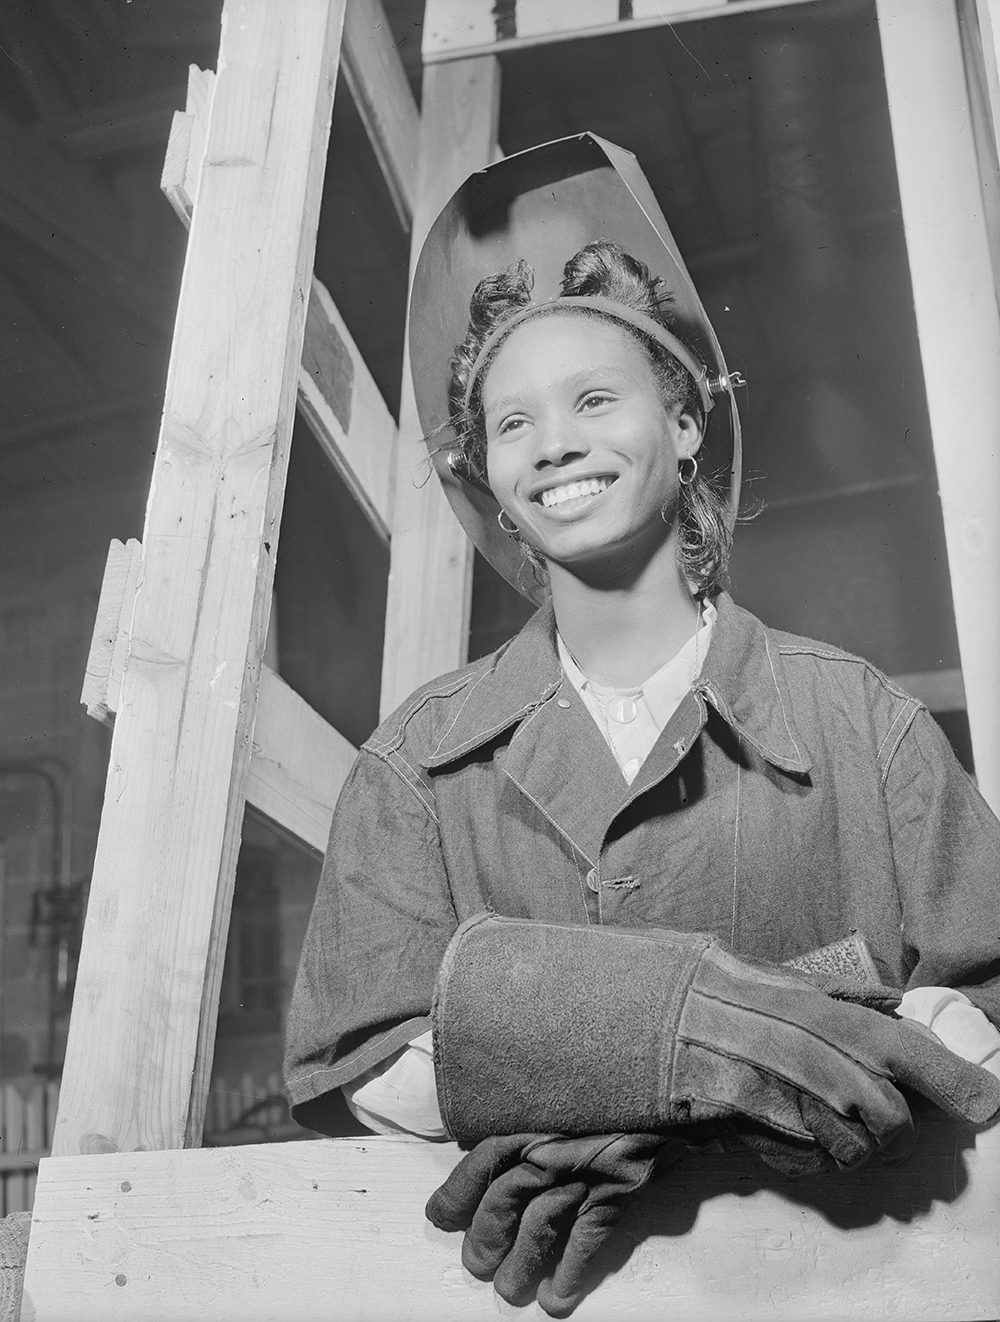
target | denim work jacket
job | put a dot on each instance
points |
(796, 795)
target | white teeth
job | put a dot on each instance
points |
(590, 486)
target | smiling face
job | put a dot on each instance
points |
(581, 451)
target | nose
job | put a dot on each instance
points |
(558, 441)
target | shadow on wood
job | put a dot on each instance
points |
(335, 1228)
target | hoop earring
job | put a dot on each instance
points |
(686, 482)
(512, 530)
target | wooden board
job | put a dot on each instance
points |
(143, 1024)
(374, 73)
(345, 410)
(298, 763)
(430, 571)
(337, 394)
(951, 269)
(109, 645)
(457, 29)
(335, 1229)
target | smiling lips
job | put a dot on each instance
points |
(589, 486)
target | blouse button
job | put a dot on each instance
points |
(622, 710)
(562, 702)
(592, 879)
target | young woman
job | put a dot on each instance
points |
(646, 771)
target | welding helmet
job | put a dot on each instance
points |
(544, 205)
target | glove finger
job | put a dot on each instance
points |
(497, 1221)
(791, 1156)
(453, 1205)
(542, 1227)
(850, 1142)
(561, 1293)
(962, 1089)
(625, 1160)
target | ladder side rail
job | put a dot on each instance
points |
(142, 1031)
(337, 394)
(374, 73)
(951, 272)
(430, 567)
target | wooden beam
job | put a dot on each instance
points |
(345, 410)
(280, 1230)
(430, 571)
(142, 1032)
(102, 682)
(298, 761)
(185, 152)
(298, 764)
(458, 29)
(951, 269)
(381, 92)
(337, 394)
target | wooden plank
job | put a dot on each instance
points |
(109, 644)
(345, 410)
(186, 144)
(430, 571)
(298, 761)
(298, 764)
(142, 1031)
(381, 92)
(337, 394)
(278, 1231)
(988, 15)
(459, 29)
(951, 273)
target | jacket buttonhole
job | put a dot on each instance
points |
(621, 884)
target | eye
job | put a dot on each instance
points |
(595, 398)
(507, 426)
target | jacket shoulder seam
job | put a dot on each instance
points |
(410, 778)
(436, 689)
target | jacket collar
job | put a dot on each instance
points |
(743, 678)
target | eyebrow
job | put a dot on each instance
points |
(574, 380)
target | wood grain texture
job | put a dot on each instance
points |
(460, 29)
(950, 268)
(430, 570)
(335, 1228)
(345, 410)
(143, 1024)
(381, 92)
(186, 145)
(109, 643)
(298, 763)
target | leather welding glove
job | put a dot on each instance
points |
(553, 1028)
(525, 1199)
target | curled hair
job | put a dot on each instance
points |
(603, 269)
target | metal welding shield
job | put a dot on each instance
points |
(544, 205)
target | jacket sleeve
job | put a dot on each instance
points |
(946, 846)
(380, 923)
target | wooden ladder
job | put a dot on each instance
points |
(132, 1219)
